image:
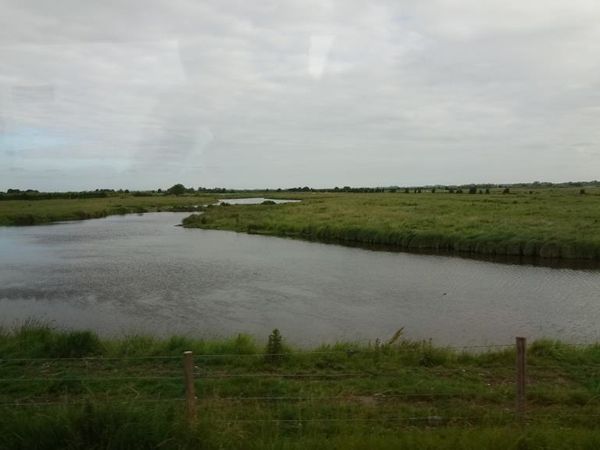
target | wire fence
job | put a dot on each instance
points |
(296, 353)
(511, 388)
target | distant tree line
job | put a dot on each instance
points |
(30, 194)
(180, 189)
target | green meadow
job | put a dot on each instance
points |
(71, 389)
(554, 223)
(34, 212)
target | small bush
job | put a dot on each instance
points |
(274, 348)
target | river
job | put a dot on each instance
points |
(123, 275)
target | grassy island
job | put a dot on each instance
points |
(559, 223)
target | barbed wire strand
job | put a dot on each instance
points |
(349, 352)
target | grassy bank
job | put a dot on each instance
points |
(33, 212)
(546, 223)
(73, 390)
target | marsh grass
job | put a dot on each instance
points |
(551, 223)
(71, 389)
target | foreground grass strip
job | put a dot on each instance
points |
(71, 389)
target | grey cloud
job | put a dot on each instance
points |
(268, 94)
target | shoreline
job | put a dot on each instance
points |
(521, 260)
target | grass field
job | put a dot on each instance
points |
(62, 389)
(33, 212)
(547, 223)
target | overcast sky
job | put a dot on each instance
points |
(247, 94)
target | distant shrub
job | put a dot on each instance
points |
(472, 190)
(487, 190)
(177, 189)
(581, 191)
(506, 191)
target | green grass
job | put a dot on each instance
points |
(547, 223)
(71, 389)
(33, 212)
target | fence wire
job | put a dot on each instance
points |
(349, 352)
(500, 389)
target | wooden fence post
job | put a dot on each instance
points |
(190, 390)
(521, 344)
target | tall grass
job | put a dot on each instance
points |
(123, 427)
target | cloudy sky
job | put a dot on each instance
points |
(244, 94)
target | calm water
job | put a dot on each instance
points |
(253, 201)
(127, 274)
